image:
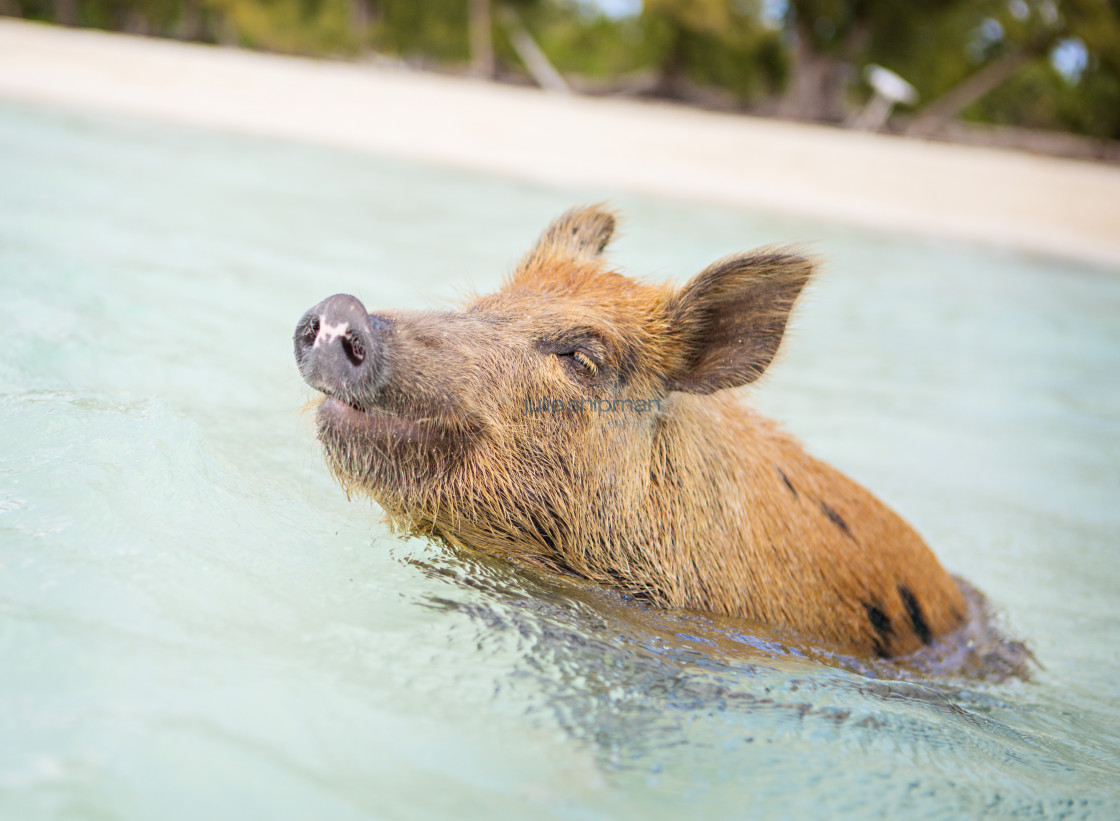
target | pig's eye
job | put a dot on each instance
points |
(580, 362)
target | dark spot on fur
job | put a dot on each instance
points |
(879, 649)
(914, 611)
(836, 519)
(882, 624)
(789, 484)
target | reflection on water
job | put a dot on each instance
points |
(631, 679)
(195, 623)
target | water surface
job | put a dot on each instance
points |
(195, 623)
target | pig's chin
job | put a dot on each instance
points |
(340, 422)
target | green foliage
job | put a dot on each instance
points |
(589, 44)
(846, 28)
(753, 69)
(1040, 97)
(291, 26)
(721, 43)
(933, 54)
(433, 30)
(1037, 96)
(731, 45)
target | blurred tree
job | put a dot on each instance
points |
(1040, 63)
(1017, 39)
(831, 38)
(424, 32)
(725, 43)
(290, 26)
(482, 38)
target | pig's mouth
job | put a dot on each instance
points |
(347, 422)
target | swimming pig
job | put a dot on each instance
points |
(582, 421)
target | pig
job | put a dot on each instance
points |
(585, 422)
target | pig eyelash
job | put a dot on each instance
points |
(581, 362)
(586, 361)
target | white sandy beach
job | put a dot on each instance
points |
(1040, 204)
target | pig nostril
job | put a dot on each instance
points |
(311, 331)
(354, 349)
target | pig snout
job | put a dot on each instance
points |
(339, 348)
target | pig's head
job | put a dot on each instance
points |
(538, 421)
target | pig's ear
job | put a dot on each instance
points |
(581, 233)
(729, 319)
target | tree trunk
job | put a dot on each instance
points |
(189, 24)
(362, 13)
(671, 72)
(134, 21)
(66, 12)
(933, 117)
(482, 39)
(816, 91)
(818, 85)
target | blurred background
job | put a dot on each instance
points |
(991, 71)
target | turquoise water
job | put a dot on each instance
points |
(195, 623)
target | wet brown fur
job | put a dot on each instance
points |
(704, 504)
